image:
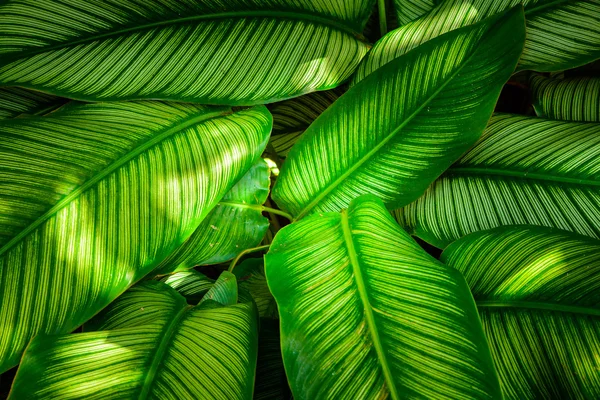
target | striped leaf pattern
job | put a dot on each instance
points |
(271, 382)
(94, 197)
(572, 99)
(537, 290)
(292, 117)
(235, 224)
(224, 290)
(183, 352)
(391, 134)
(15, 101)
(409, 10)
(251, 276)
(365, 313)
(191, 284)
(560, 34)
(524, 170)
(238, 52)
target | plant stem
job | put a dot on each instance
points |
(244, 252)
(382, 17)
(278, 212)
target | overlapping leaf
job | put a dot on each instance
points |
(236, 223)
(399, 129)
(94, 197)
(191, 284)
(537, 290)
(251, 277)
(365, 313)
(238, 52)
(271, 382)
(409, 10)
(574, 99)
(560, 34)
(144, 339)
(524, 170)
(15, 101)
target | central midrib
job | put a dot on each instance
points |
(368, 309)
(533, 305)
(184, 20)
(181, 125)
(518, 174)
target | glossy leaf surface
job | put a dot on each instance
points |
(147, 335)
(93, 197)
(537, 290)
(574, 99)
(391, 135)
(560, 34)
(238, 52)
(524, 170)
(366, 313)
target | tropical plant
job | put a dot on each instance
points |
(272, 199)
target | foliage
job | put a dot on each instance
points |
(152, 152)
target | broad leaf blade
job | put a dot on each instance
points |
(236, 223)
(102, 195)
(366, 313)
(251, 277)
(537, 293)
(224, 290)
(560, 34)
(234, 52)
(191, 284)
(217, 344)
(574, 99)
(524, 170)
(391, 135)
(15, 101)
(409, 10)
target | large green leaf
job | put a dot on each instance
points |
(409, 10)
(235, 224)
(152, 345)
(15, 101)
(237, 52)
(191, 284)
(292, 117)
(574, 99)
(399, 129)
(94, 197)
(560, 34)
(538, 294)
(366, 314)
(524, 170)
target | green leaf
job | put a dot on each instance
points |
(292, 117)
(207, 351)
(575, 99)
(391, 134)
(561, 34)
(95, 196)
(524, 170)
(271, 382)
(235, 224)
(15, 101)
(233, 52)
(191, 284)
(537, 290)
(251, 276)
(365, 313)
(409, 10)
(224, 290)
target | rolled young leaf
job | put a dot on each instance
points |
(236, 52)
(365, 313)
(396, 131)
(15, 101)
(524, 170)
(573, 99)
(141, 358)
(537, 290)
(94, 197)
(561, 34)
(236, 223)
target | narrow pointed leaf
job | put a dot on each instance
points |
(399, 129)
(234, 52)
(365, 313)
(94, 197)
(292, 117)
(524, 170)
(574, 99)
(560, 34)
(15, 101)
(217, 345)
(409, 10)
(236, 223)
(537, 290)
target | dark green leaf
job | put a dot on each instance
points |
(574, 99)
